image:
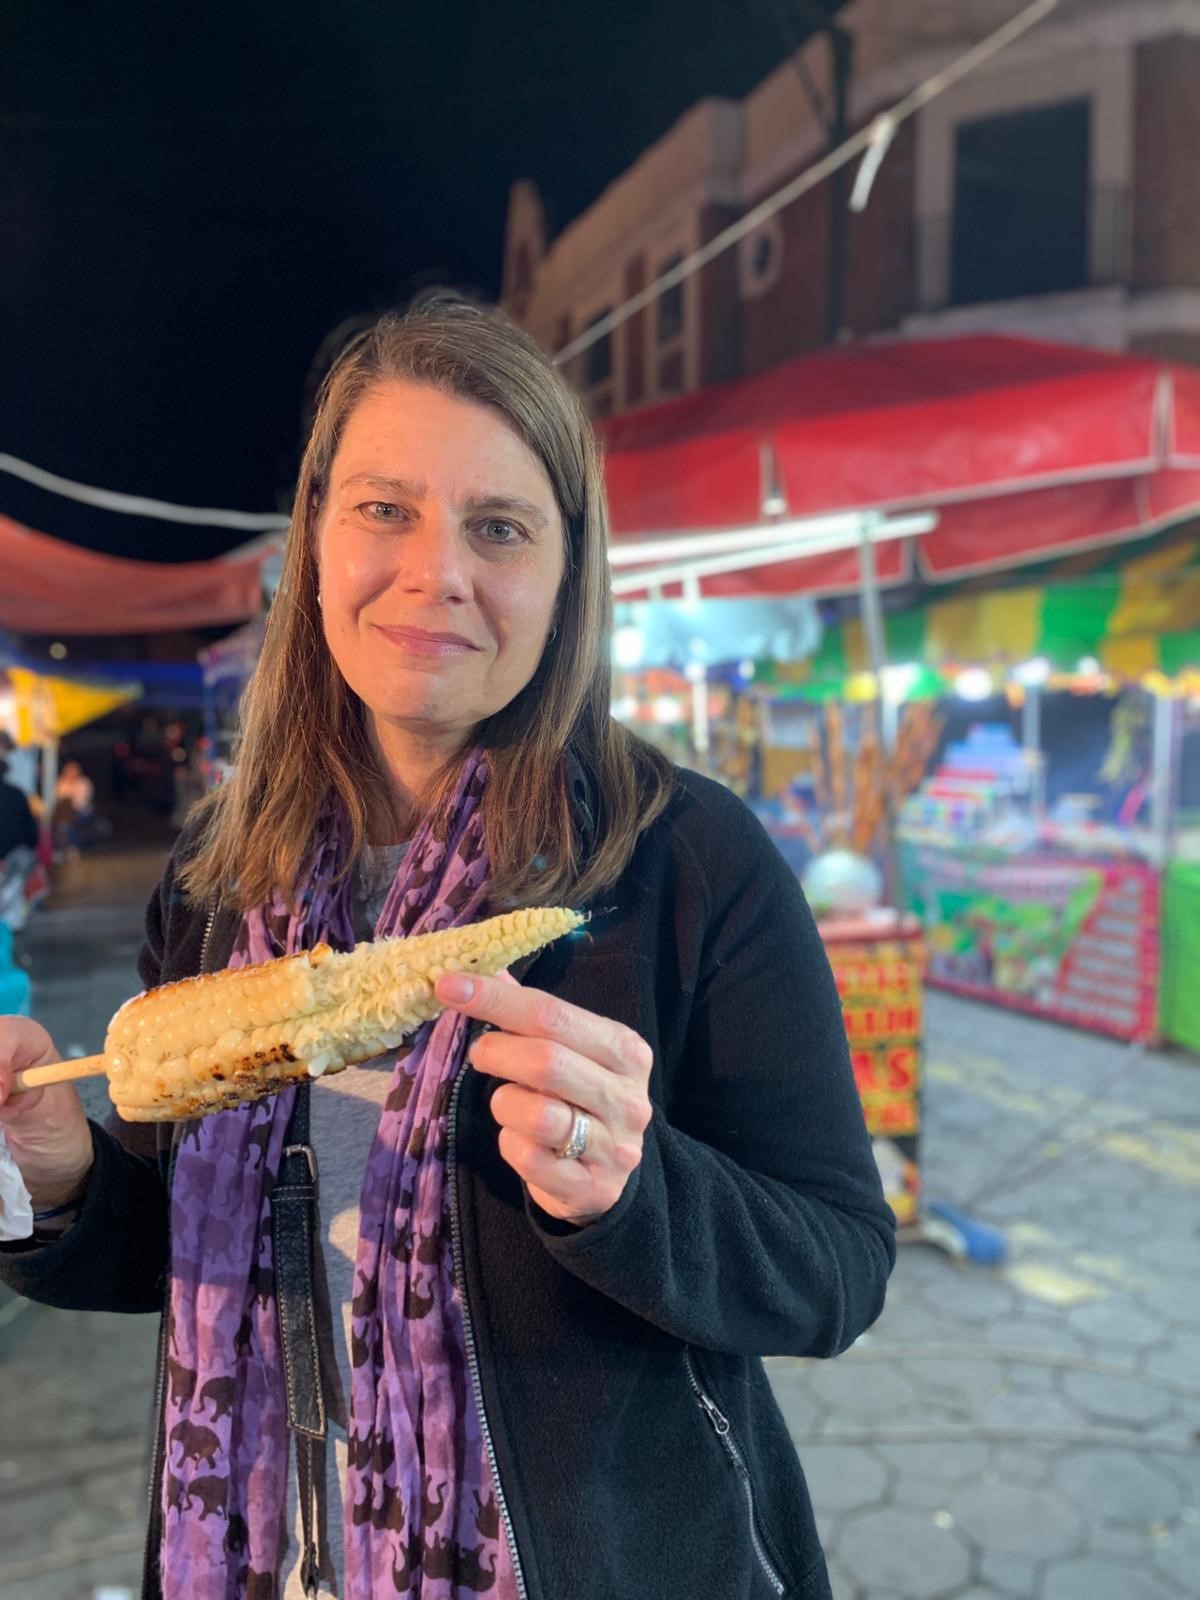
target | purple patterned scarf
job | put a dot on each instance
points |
(421, 1516)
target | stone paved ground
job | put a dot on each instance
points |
(1030, 1431)
(1024, 1433)
(74, 1386)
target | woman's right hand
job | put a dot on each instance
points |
(46, 1129)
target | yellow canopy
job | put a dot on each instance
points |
(45, 707)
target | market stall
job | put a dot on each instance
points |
(910, 466)
(1046, 854)
(38, 709)
(226, 668)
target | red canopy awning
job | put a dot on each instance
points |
(49, 586)
(1025, 450)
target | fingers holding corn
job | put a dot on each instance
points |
(556, 1060)
(210, 1042)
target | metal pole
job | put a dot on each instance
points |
(1162, 786)
(1031, 738)
(872, 610)
(700, 731)
(49, 785)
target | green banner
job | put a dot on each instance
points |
(1181, 955)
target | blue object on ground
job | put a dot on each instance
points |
(983, 1245)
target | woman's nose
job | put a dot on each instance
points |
(434, 557)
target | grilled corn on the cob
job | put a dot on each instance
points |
(205, 1043)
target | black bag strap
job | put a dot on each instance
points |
(294, 1237)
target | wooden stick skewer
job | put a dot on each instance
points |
(59, 1072)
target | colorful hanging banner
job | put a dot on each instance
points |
(1073, 940)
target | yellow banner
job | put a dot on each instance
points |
(49, 707)
(983, 627)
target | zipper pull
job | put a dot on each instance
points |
(717, 1418)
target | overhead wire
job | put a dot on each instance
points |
(856, 144)
(866, 139)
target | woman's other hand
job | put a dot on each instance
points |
(46, 1129)
(557, 1059)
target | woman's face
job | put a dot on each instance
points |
(440, 549)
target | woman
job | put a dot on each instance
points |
(533, 1326)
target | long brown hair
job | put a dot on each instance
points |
(304, 740)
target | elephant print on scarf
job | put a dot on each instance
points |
(211, 1493)
(487, 1516)
(182, 1380)
(429, 1249)
(416, 1304)
(432, 1509)
(445, 1559)
(389, 1513)
(196, 1444)
(364, 1509)
(403, 1576)
(366, 1297)
(221, 1392)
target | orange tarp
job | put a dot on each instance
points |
(48, 586)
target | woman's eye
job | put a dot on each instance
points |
(381, 510)
(500, 531)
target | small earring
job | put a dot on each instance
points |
(553, 634)
(318, 597)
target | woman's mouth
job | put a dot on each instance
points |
(427, 642)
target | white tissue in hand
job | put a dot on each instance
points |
(16, 1209)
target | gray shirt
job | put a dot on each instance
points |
(343, 1117)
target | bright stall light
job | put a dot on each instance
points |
(899, 680)
(667, 709)
(58, 651)
(745, 670)
(627, 648)
(1032, 674)
(625, 708)
(1088, 667)
(973, 684)
(695, 672)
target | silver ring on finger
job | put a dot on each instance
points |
(577, 1143)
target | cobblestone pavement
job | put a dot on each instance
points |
(1027, 1432)
(75, 1386)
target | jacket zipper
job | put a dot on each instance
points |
(724, 1433)
(208, 928)
(468, 1330)
(150, 1582)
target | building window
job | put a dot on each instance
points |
(760, 258)
(670, 304)
(1022, 204)
(598, 357)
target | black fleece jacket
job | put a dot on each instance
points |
(640, 1451)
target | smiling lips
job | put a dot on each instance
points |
(426, 642)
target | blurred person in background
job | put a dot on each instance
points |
(76, 824)
(74, 805)
(18, 826)
(18, 858)
(540, 1290)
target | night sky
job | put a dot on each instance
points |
(193, 196)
